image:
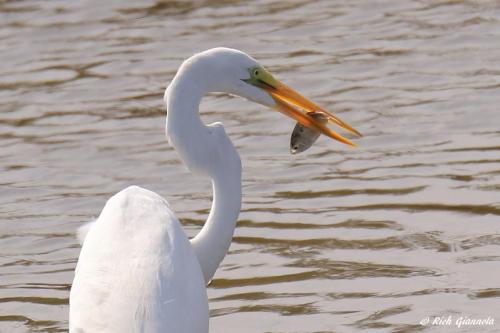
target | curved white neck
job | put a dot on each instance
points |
(197, 147)
(212, 242)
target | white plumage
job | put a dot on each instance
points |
(137, 270)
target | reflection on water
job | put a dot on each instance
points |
(332, 240)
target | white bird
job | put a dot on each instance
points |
(137, 270)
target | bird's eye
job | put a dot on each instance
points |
(256, 72)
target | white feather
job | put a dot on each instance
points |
(82, 232)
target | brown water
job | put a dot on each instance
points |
(336, 239)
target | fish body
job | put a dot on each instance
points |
(303, 137)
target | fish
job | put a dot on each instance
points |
(302, 137)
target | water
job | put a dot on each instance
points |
(336, 239)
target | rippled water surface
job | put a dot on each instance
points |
(336, 239)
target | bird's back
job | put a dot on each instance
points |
(137, 271)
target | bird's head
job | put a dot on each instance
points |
(237, 73)
(205, 148)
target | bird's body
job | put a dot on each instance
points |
(137, 271)
(129, 282)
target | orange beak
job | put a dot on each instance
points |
(286, 98)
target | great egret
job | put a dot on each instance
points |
(137, 270)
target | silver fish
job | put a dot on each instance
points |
(303, 137)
